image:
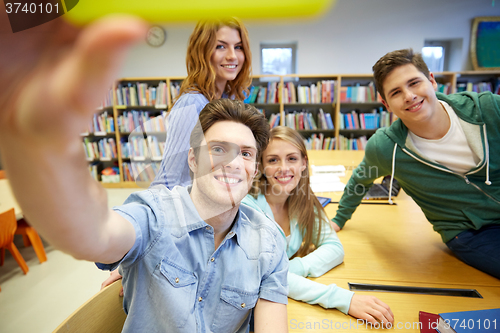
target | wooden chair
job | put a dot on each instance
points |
(102, 313)
(30, 237)
(8, 225)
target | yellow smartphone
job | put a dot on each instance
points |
(85, 11)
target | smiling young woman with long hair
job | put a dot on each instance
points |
(218, 63)
(204, 73)
(283, 193)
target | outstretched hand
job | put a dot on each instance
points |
(371, 309)
(53, 76)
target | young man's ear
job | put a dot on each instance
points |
(386, 105)
(433, 81)
(192, 161)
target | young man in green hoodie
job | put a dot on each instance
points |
(442, 151)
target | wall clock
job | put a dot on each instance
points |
(156, 36)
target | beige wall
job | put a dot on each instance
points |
(347, 39)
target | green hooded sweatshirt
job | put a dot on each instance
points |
(452, 202)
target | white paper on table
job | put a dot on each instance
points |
(338, 170)
(328, 187)
(326, 183)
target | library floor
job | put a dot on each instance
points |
(40, 300)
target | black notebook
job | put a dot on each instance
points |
(381, 191)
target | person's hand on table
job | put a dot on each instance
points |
(335, 226)
(371, 309)
(113, 276)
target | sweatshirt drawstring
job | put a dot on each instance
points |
(392, 173)
(487, 182)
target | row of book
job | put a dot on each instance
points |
(133, 120)
(104, 149)
(305, 121)
(139, 149)
(323, 91)
(102, 123)
(386, 118)
(274, 120)
(141, 172)
(377, 118)
(353, 143)
(319, 142)
(315, 93)
(94, 171)
(142, 94)
(320, 92)
(175, 89)
(263, 94)
(359, 94)
(107, 101)
(444, 88)
(353, 120)
(479, 86)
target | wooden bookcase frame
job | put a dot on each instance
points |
(444, 77)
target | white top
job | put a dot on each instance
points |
(452, 150)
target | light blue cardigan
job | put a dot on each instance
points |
(328, 255)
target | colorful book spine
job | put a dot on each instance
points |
(319, 142)
(353, 143)
(141, 94)
(358, 93)
(141, 172)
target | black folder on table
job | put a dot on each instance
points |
(381, 191)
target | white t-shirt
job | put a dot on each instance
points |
(452, 150)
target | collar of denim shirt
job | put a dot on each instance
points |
(191, 214)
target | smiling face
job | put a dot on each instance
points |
(283, 165)
(411, 96)
(225, 166)
(228, 56)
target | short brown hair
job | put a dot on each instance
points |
(385, 65)
(232, 110)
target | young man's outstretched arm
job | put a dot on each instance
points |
(53, 77)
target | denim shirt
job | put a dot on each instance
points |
(175, 281)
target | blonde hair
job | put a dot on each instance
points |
(201, 75)
(302, 203)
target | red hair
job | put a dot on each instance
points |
(201, 75)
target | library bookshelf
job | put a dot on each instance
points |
(337, 111)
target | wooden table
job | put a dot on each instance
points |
(391, 245)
